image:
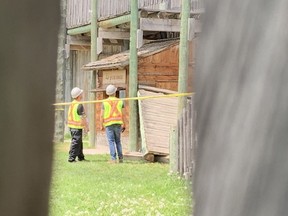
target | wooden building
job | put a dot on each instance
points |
(157, 74)
(158, 48)
(158, 19)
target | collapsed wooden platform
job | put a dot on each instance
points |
(157, 117)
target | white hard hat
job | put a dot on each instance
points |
(110, 89)
(76, 92)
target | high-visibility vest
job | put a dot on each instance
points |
(112, 112)
(74, 120)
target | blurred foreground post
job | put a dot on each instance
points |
(242, 109)
(28, 57)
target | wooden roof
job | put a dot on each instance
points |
(121, 60)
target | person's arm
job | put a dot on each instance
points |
(123, 117)
(84, 120)
(85, 123)
(101, 117)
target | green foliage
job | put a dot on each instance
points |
(130, 188)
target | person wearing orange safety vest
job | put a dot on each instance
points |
(77, 122)
(112, 118)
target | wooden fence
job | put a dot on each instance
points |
(186, 137)
(79, 11)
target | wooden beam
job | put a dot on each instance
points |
(114, 34)
(167, 25)
(78, 47)
(154, 89)
(139, 38)
(78, 40)
(154, 24)
(79, 30)
(99, 45)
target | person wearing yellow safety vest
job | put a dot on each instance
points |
(112, 118)
(77, 122)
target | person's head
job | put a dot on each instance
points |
(76, 93)
(111, 90)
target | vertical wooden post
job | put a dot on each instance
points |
(182, 76)
(133, 81)
(60, 83)
(94, 57)
(173, 152)
(183, 54)
(193, 135)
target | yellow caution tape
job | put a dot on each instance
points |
(127, 99)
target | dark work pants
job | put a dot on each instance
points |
(76, 147)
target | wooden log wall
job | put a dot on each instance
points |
(160, 70)
(79, 11)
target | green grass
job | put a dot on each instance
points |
(131, 188)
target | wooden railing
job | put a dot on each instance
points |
(79, 11)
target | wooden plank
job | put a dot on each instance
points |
(185, 143)
(152, 68)
(170, 113)
(157, 73)
(163, 78)
(114, 34)
(165, 117)
(153, 145)
(142, 127)
(161, 135)
(146, 82)
(166, 25)
(158, 104)
(181, 150)
(78, 40)
(150, 126)
(158, 117)
(153, 89)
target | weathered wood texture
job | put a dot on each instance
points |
(76, 77)
(79, 11)
(186, 141)
(157, 68)
(160, 70)
(121, 60)
(157, 64)
(157, 117)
